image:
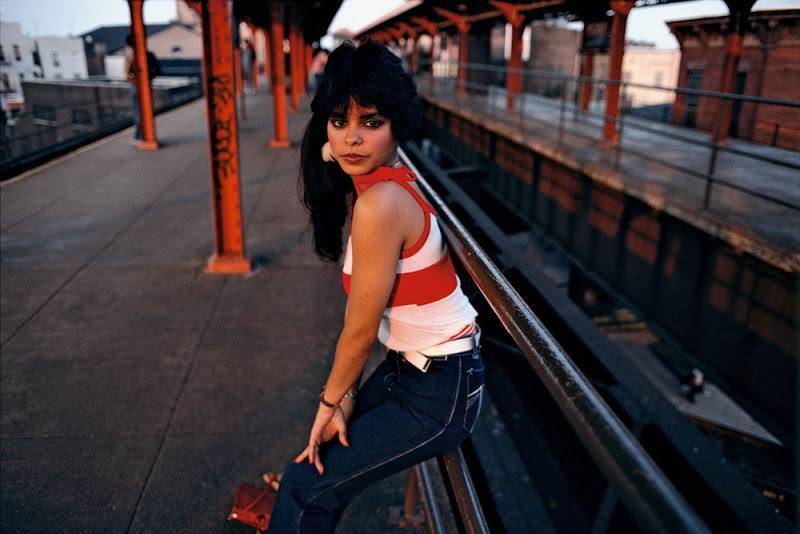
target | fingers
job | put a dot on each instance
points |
(301, 456)
(343, 438)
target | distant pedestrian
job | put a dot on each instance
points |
(131, 73)
(317, 68)
(248, 65)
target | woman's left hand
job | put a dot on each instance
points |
(324, 416)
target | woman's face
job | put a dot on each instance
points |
(362, 140)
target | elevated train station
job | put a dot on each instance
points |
(636, 283)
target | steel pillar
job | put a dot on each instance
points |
(739, 13)
(144, 93)
(281, 139)
(462, 25)
(295, 77)
(513, 77)
(267, 59)
(223, 138)
(587, 70)
(621, 10)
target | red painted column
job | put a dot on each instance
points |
(587, 70)
(294, 68)
(267, 59)
(513, 79)
(621, 10)
(144, 93)
(462, 25)
(739, 12)
(223, 139)
(281, 139)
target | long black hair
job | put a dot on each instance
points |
(371, 75)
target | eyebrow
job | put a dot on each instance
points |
(339, 114)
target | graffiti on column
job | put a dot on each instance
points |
(221, 92)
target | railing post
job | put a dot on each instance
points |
(712, 164)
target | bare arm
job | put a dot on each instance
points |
(376, 243)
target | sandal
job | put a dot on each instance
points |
(272, 479)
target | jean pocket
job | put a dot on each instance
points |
(474, 400)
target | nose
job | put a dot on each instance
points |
(353, 134)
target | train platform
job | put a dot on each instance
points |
(652, 164)
(137, 391)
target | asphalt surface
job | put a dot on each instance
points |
(136, 390)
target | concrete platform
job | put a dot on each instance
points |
(137, 390)
(767, 230)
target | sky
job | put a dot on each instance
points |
(61, 17)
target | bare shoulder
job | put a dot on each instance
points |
(384, 199)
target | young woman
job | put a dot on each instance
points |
(424, 399)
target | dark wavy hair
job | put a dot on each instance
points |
(371, 75)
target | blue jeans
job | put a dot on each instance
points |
(134, 109)
(402, 417)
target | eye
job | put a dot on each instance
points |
(373, 123)
(337, 123)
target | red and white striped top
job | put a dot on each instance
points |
(426, 306)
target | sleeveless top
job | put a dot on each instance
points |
(426, 306)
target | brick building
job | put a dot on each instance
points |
(769, 68)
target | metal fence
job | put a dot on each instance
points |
(49, 126)
(647, 493)
(555, 100)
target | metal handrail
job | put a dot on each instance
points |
(708, 175)
(539, 73)
(641, 485)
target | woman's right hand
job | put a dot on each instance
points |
(337, 426)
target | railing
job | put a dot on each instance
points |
(556, 100)
(647, 493)
(43, 130)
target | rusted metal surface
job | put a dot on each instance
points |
(144, 93)
(739, 12)
(621, 10)
(281, 135)
(646, 491)
(223, 138)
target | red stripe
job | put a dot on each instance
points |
(419, 287)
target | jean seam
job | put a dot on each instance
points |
(384, 462)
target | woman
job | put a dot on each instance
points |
(424, 399)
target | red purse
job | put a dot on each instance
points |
(253, 506)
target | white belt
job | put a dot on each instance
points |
(421, 359)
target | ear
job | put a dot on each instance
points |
(327, 153)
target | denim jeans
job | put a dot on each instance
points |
(134, 109)
(402, 417)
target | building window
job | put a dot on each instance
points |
(659, 78)
(6, 83)
(56, 62)
(21, 76)
(2, 54)
(17, 54)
